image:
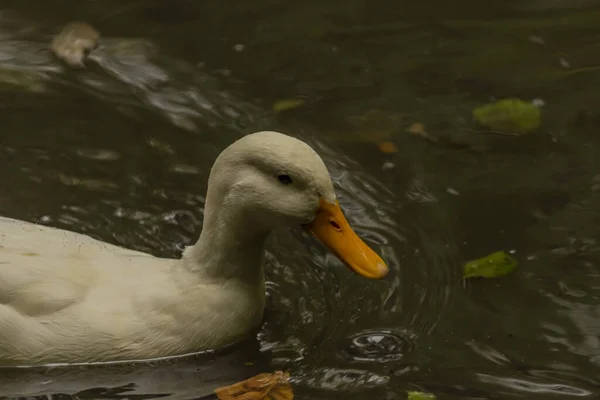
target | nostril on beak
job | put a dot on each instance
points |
(335, 225)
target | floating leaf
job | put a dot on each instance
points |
(387, 147)
(267, 386)
(509, 116)
(420, 396)
(74, 43)
(417, 129)
(490, 266)
(287, 104)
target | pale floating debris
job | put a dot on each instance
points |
(45, 219)
(226, 72)
(133, 215)
(74, 43)
(160, 146)
(239, 47)
(564, 63)
(538, 102)
(183, 122)
(92, 184)
(453, 191)
(388, 166)
(536, 39)
(98, 154)
(185, 169)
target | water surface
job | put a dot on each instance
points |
(121, 151)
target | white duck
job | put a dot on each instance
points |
(65, 297)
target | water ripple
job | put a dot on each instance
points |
(342, 379)
(381, 346)
(523, 385)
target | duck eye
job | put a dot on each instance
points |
(285, 179)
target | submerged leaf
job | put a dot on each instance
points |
(387, 147)
(490, 266)
(267, 386)
(420, 396)
(287, 104)
(417, 129)
(509, 116)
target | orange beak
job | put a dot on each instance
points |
(331, 227)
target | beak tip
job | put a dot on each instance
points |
(383, 270)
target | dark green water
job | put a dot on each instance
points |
(121, 151)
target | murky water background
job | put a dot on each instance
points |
(121, 151)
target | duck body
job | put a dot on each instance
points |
(68, 298)
(73, 298)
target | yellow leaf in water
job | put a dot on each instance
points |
(267, 386)
(417, 129)
(387, 147)
(287, 104)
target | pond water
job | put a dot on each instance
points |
(121, 151)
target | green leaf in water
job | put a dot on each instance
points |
(420, 396)
(287, 104)
(490, 266)
(509, 116)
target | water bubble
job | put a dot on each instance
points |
(380, 346)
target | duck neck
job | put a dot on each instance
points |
(230, 246)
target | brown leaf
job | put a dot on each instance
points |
(74, 43)
(417, 129)
(268, 386)
(387, 147)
